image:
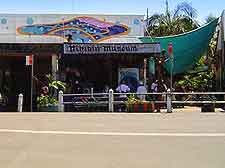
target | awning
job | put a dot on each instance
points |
(187, 48)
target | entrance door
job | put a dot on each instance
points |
(93, 71)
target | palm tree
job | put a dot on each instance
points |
(179, 20)
(210, 18)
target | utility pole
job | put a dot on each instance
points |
(170, 52)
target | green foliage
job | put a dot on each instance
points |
(53, 86)
(210, 18)
(199, 81)
(172, 22)
(46, 100)
(132, 99)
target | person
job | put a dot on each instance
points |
(159, 66)
(154, 86)
(161, 87)
(106, 89)
(77, 89)
(158, 87)
(123, 88)
(44, 91)
(141, 90)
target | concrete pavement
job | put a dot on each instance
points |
(139, 140)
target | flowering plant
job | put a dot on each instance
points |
(49, 93)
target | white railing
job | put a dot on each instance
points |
(109, 99)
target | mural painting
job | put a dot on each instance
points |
(81, 29)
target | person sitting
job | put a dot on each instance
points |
(141, 90)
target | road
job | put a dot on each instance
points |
(104, 140)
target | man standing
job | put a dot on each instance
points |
(141, 90)
(123, 88)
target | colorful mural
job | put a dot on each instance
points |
(81, 29)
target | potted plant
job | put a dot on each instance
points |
(136, 105)
(47, 101)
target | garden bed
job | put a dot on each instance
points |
(144, 107)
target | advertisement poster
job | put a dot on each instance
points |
(130, 76)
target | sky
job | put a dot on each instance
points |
(204, 7)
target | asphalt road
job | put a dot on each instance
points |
(97, 140)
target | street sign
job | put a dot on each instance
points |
(29, 63)
(29, 60)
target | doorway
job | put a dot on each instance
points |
(15, 79)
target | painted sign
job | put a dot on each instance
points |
(19, 28)
(80, 29)
(71, 48)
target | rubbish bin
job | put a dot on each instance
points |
(207, 107)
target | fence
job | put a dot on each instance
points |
(110, 101)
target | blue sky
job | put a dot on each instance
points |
(204, 8)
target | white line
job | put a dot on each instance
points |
(115, 133)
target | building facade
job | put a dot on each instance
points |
(101, 49)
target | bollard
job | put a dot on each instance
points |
(20, 103)
(169, 101)
(60, 99)
(111, 100)
(92, 92)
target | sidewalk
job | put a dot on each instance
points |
(191, 109)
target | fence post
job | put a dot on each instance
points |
(111, 100)
(20, 103)
(92, 92)
(60, 99)
(169, 101)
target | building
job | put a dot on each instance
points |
(102, 50)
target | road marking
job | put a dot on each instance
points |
(114, 133)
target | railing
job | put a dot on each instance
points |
(111, 99)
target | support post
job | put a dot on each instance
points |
(60, 99)
(32, 84)
(20, 103)
(145, 72)
(169, 101)
(111, 98)
(54, 66)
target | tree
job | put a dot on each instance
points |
(210, 18)
(172, 22)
